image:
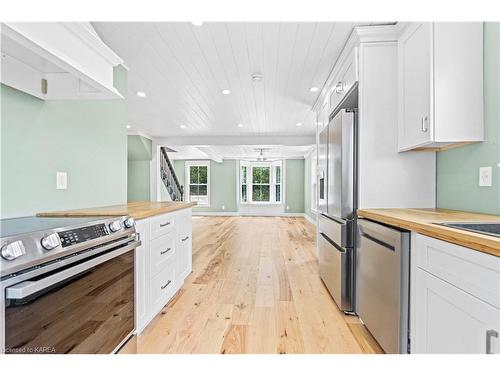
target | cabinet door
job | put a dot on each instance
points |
(449, 320)
(142, 276)
(414, 50)
(185, 254)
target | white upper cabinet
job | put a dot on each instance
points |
(440, 85)
(57, 60)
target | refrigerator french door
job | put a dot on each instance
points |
(337, 220)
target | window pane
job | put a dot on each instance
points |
(256, 193)
(202, 190)
(260, 193)
(278, 174)
(278, 195)
(202, 174)
(193, 189)
(260, 175)
(243, 193)
(265, 175)
(256, 175)
(265, 192)
(193, 174)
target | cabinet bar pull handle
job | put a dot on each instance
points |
(489, 334)
(165, 251)
(167, 284)
(424, 120)
(164, 224)
(185, 238)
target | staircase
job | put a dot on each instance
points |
(169, 178)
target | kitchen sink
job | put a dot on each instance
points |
(492, 229)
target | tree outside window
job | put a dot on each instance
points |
(261, 184)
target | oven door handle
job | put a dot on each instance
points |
(28, 288)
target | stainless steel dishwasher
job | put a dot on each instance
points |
(383, 284)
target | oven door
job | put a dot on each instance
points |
(87, 307)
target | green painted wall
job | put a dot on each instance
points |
(222, 185)
(294, 185)
(139, 152)
(86, 139)
(307, 188)
(458, 169)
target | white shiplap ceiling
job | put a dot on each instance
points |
(183, 68)
(220, 152)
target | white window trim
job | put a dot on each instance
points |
(249, 183)
(195, 163)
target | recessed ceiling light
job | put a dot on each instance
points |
(299, 124)
(240, 125)
(313, 89)
(197, 23)
(226, 92)
(183, 126)
(128, 126)
(141, 94)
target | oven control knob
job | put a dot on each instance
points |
(115, 226)
(50, 241)
(13, 250)
(129, 222)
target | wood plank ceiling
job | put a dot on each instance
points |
(183, 68)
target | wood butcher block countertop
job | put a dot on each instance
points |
(422, 220)
(137, 210)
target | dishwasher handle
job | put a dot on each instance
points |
(385, 236)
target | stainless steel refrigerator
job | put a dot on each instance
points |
(337, 206)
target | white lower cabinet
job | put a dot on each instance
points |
(454, 299)
(162, 262)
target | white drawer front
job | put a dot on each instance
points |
(161, 225)
(163, 286)
(163, 249)
(472, 271)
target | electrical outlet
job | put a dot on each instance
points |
(485, 176)
(287, 208)
(61, 180)
(223, 207)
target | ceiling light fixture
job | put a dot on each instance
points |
(240, 125)
(226, 92)
(141, 94)
(183, 126)
(197, 23)
(299, 124)
(128, 126)
(313, 89)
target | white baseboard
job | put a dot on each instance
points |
(310, 219)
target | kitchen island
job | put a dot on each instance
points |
(164, 259)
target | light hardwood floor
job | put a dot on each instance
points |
(254, 289)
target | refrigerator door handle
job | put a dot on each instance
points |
(337, 247)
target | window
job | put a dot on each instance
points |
(244, 187)
(277, 183)
(261, 182)
(198, 175)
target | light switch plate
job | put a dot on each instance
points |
(61, 180)
(485, 176)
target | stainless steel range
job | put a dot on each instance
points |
(67, 284)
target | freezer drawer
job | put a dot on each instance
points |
(338, 230)
(382, 284)
(334, 265)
